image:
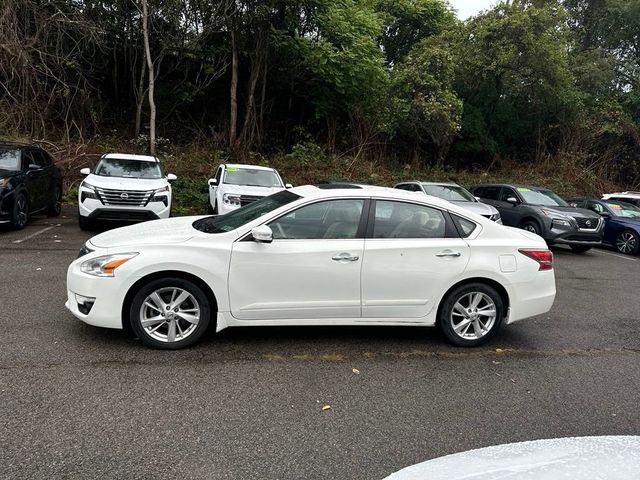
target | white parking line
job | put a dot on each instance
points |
(615, 255)
(33, 234)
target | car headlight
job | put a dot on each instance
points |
(106, 265)
(496, 218)
(161, 195)
(88, 191)
(231, 199)
(84, 250)
(558, 218)
(4, 182)
(560, 223)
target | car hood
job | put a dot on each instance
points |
(119, 183)
(477, 207)
(155, 232)
(246, 190)
(573, 212)
(578, 458)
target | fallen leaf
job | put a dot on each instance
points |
(356, 371)
(326, 407)
(38, 269)
(495, 363)
(499, 350)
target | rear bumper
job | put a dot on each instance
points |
(532, 298)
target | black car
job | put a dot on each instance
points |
(29, 183)
(541, 211)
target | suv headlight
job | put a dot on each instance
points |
(4, 182)
(560, 223)
(88, 191)
(161, 195)
(558, 218)
(496, 218)
(106, 265)
(231, 199)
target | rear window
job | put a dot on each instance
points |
(465, 227)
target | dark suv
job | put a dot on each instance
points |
(541, 211)
(29, 183)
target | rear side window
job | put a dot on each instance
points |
(507, 193)
(465, 227)
(408, 220)
(410, 187)
(491, 193)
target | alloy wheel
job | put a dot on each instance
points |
(626, 242)
(473, 315)
(21, 211)
(530, 228)
(169, 314)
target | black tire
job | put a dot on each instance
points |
(580, 248)
(446, 320)
(20, 214)
(628, 242)
(85, 224)
(531, 226)
(55, 207)
(140, 305)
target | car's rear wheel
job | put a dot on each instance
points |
(580, 248)
(531, 226)
(471, 314)
(20, 214)
(170, 313)
(628, 242)
(55, 207)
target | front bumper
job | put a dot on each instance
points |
(96, 210)
(587, 239)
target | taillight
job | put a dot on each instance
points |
(543, 257)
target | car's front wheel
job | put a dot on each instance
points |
(471, 314)
(627, 242)
(20, 214)
(531, 226)
(170, 313)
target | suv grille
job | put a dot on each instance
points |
(247, 199)
(587, 223)
(132, 198)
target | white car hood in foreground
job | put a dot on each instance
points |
(155, 232)
(578, 458)
(121, 183)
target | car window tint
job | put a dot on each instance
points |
(465, 227)
(407, 220)
(9, 159)
(488, 192)
(27, 159)
(219, 175)
(38, 158)
(596, 207)
(407, 186)
(332, 219)
(507, 193)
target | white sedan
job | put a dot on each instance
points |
(314, 256)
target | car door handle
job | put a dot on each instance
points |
(347, 257)
(448, 253)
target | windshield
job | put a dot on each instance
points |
(246, 214)
(453, 193)
(251, 177)
(626, 210)
(119, 167)
(541, 197)
(9, 159)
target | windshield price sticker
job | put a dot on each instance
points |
(521, 189)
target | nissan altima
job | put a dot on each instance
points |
(327, 255)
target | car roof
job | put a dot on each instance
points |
(622, 194)
(253, 167)
(511, 185)
(312, 191)
(130, 156)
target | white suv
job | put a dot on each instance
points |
(124, 187)
(237, 185)
(630, 197)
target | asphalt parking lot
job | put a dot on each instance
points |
(83, 402)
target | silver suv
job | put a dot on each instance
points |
(629, 197)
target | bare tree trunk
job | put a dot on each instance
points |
(233, 115)
(140, 96)
(250, 126)
(152, 103)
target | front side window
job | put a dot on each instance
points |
(251, 177)
(407, 220)
(507, 193)
(119, 167)
(246, 214)
(622, 209)
(9, 159)
(451, 193)
(490, 193)
(331, 219)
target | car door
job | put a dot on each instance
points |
(36, 179)
(511, 212)
(311, 269)
(412, 254)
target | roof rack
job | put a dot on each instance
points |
(630, 193)
(337, 185)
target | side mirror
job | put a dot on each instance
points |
(477, 198)
(213, 182)
(288, 185)
(605, 214)
(85, 171)
(262, 234)
(512, 200)
(34, 168)
(171, 177)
